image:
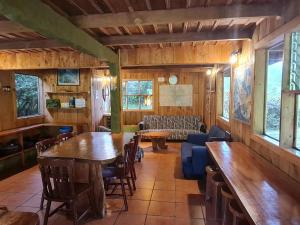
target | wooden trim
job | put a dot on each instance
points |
(177, 37)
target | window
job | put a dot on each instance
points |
(226, 94)
(27, 95)
(297, 124)
(273, 92)
(295, 66)
(137, 94)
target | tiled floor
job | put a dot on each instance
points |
(162, 197)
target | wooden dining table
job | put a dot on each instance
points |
(91, 151)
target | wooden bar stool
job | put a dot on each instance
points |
(213, 202)
(238, 217)
(226, 198)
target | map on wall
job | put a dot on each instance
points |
(176, 95)
(242, 93)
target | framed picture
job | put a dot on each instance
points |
(68, 77)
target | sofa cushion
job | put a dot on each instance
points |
(186, 159)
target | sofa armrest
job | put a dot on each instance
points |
(141, 125)
(199, 159)
(202, 127)
(197, 139)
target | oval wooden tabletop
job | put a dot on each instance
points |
(267, 195)
(92, 146)
(157, 134)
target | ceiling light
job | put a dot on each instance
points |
(208, 72)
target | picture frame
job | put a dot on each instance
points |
(68, 77)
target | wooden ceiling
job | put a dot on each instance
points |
(139, 23)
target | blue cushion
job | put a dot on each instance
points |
(186, 160)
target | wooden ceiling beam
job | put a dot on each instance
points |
(176, 37)
(178, 15)
(167, 16)
(54, 26)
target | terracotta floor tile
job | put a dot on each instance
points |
(161, 208)
(184, 210)
(164, 185)
(113, 205)
(141, 194)
(130, 219)
(138, 207)
(163, 196)
(179, 221)
(141, 183)
(159, 220)
(107, 220)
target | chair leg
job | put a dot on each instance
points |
(124, 194)
(129, 186)
(134, 173)
(47, 212)
(132, 179)
(75, 213)
(42, 201)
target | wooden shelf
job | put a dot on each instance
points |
(66, 108)
(67, 93)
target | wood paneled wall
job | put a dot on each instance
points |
(47, 60)
(8, 112)
(80, 116)
(200, 54)
(280, 158)
(194, 78)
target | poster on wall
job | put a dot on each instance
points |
(176, 95)
(242, 93)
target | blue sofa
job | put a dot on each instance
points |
(194, 153)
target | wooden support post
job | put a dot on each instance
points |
(115, 98)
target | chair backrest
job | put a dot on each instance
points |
(64, 136)
(58, 178)
(43, 145)
(136, 140)
(127, 156)
(218, 134)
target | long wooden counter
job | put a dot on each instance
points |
(266, 194)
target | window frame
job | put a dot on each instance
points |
(40, 91)
(140, 95)
(229, 103)
(266, 88)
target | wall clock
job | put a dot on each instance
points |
(173, 79)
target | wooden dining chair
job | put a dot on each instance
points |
(58, 176)
(43, 146)
(64, 136)
(119, 170)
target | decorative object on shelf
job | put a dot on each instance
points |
(72, 102)
(80, 103)
(68, 77)
(52, 103)
(65, 105)
(173, 79)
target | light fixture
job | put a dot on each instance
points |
(208, 72)
(234, 56)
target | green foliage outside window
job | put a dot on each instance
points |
(137, 95)
(27, 95)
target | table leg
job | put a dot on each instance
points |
(98, 192)
(159, 144)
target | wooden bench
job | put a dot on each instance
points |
(266, 195)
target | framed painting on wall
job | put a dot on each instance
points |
(242, 93)
(68, 77)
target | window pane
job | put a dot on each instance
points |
(132, 102)
(133, 88)
(27, 95)
(273, 92)
(226, 95)
(295, 62)
(146, 102)
(146, 87)
(297, 139)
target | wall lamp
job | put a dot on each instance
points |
(234, 56)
